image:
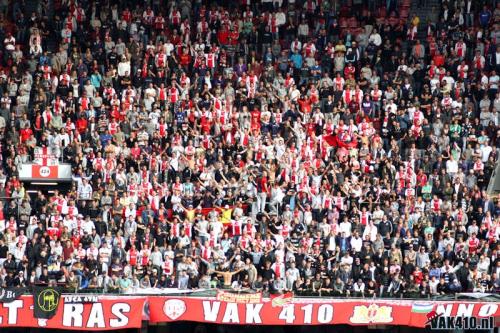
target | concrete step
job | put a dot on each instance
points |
(30, 6)
(429, 12)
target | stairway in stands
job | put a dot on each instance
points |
(32, 5)
(429, 12)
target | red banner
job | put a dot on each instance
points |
(100, 313)
(47, 172)
(206, 211)
(290, 311)
(77, 312)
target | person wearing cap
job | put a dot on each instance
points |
(226, 214)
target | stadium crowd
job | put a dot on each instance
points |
(324, 147)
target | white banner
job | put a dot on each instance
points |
(158, 291)
(45, 156)
(31, 172)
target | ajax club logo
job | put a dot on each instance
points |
(174, 308)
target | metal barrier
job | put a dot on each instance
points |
(213, 293)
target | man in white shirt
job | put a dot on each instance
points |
(378, 215)
(451, 166)
(277, 196)
(433, 285)
(370, 232)
(345, 226)
(391, 107)
(292, 274)
(375, 38)
(168, 47)
(359, 288)
(88, 225)
(124, 67)
(105, 253)
(9, 42)
(493, 84)
(356, 242)
(486, 150)
(156, 257)
(346, 259)
(85, 190)
(450, 81)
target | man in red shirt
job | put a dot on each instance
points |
(473, 243)
(255, 120)
(185, 59)
(81, 124)
(25, 133)
(438, 59)
(305, 104)
(263, 192)
(418, 276)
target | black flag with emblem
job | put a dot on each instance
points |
(45, 301)
(7, 295)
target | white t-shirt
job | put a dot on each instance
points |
(451, 166)
(494, 82)
(345, 227)
(485, 153)
(357, 244)
(9, 43)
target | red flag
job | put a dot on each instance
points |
(281, 300)
(332, 140)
